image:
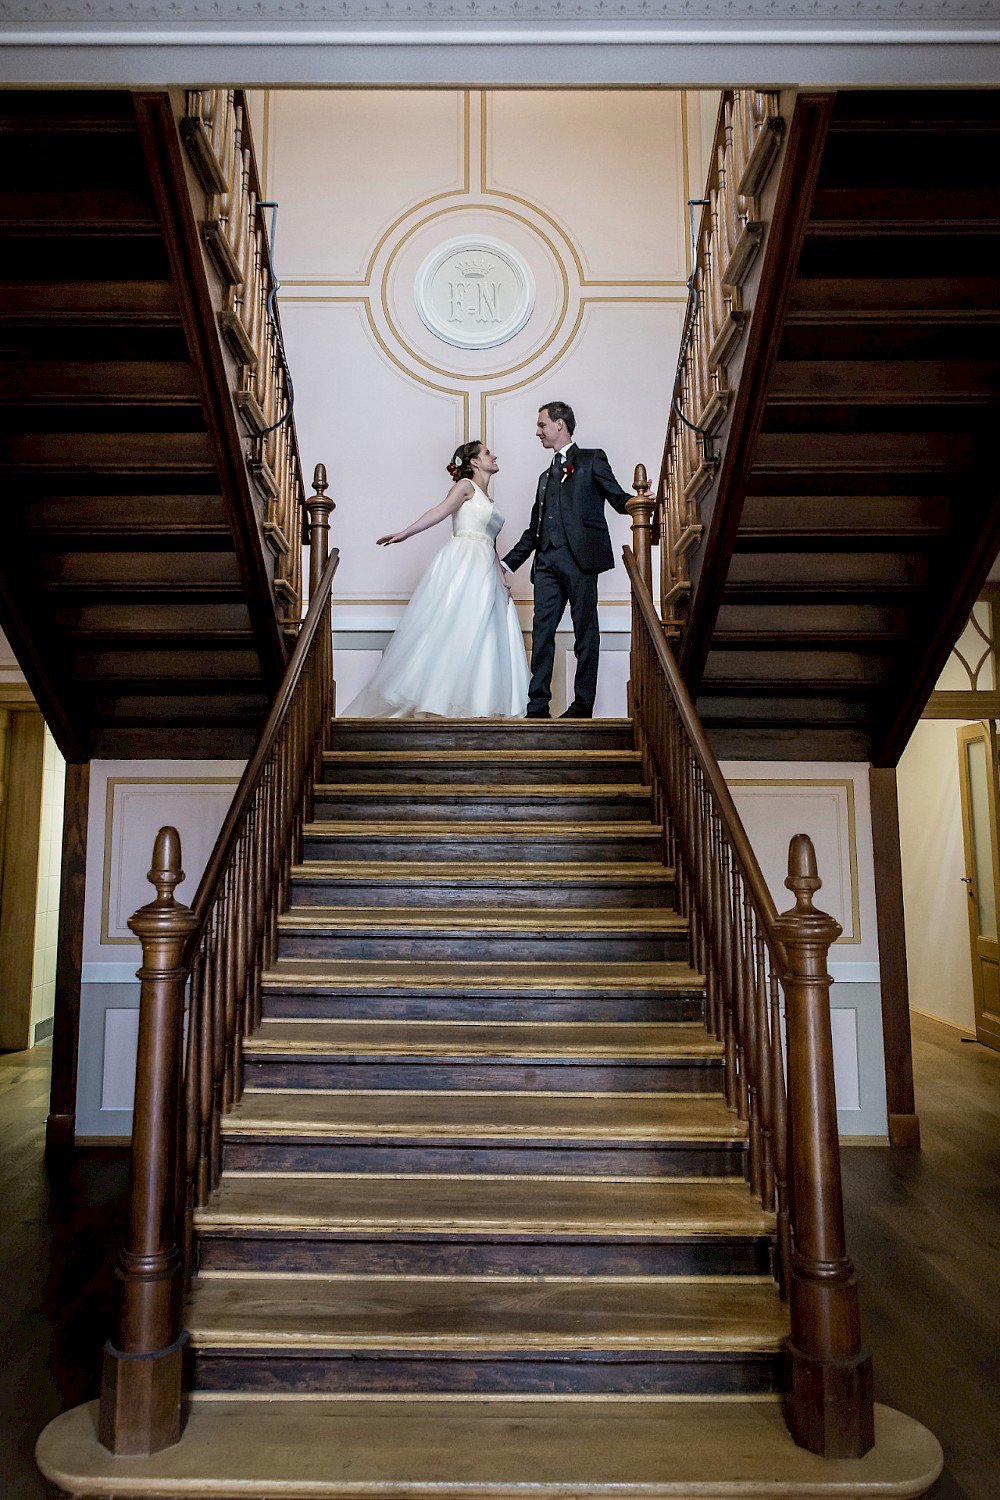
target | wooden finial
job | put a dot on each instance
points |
(639, 481)
(166, 872)
(802, 879)
(319, 479)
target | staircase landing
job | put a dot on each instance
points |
(345, 1448)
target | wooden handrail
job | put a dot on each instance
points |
(749, 955)
(709, 766)
(208, 887)
(214, 953)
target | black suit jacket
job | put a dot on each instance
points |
(582, 496)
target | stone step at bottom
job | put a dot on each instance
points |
(462, 1448)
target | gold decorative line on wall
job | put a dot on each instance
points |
(585, 302)
(414, 208)
(418, 379)
(176, 784)
(496, 192)
(852, 837)
(496, 374)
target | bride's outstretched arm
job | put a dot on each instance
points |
(456, 496)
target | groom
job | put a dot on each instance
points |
(569, 537)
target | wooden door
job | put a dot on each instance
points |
(978, 780)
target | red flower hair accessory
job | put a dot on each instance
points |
(453, 470)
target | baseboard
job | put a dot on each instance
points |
(925, 1015)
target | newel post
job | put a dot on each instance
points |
(142, 1364)
(640, 508)
(828, 1375)
(319, 507)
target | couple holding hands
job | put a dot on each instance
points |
(457, 652)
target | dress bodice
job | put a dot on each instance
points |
(477, 518)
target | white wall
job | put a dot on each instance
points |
(43, 969)
(938, 956)
(830, 802)
(591, 188)
(129, 802)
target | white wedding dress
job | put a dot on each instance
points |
(458, 652)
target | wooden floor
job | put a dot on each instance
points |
(924, 1230)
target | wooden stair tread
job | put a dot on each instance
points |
(484, 1038)
(508, 789)
(492, 1314)
(412, 974)
(448, 1114)
(484, 872)
(556, 1207)
(392, 1447)
(565, 919)
(568, 758)
(509, 828)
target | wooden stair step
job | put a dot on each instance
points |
(487, 802)
(543, 934)
(477, 883)
(394, 1447)
(555, 1208)
(484, 1038)
(629, 840)
(131, 302)
(483, 734)
(491, 1315)
(485, 1116)
(527, 920)
(537, 767)
(308, 973)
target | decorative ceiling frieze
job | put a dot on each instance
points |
(565, 14)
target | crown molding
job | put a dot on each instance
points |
(496, 43)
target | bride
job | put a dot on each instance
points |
(457, 652)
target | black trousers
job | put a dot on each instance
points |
(558, 582)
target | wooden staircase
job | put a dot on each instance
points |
(464, 1209)
(855, 511)
(482, 1146)
(135, 586)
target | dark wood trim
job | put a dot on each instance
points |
(799, 175)
(962, 705)
(930, 648)
(161, 144)
(30, 639)
(904, 1127)
(61, 1124)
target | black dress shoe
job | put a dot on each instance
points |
(577, 713)
(538, 714)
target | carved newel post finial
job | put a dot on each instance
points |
(319, 507)
(828, 1382)
(640, 508)
(141, 1374)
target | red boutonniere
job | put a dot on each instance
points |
(567, 471)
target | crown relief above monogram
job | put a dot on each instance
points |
(519, 12)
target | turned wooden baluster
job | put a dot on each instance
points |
(140, 1408)
(828, 1384)
(640, 508)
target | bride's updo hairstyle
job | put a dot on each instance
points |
(461, 462)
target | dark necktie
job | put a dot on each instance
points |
(557, 467)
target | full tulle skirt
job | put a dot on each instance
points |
(457, 652)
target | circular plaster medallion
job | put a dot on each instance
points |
(474, 292)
